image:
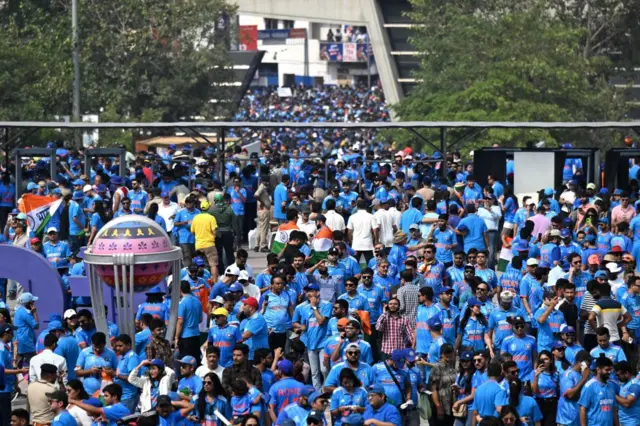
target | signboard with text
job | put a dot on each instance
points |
(248, 36)
(345, 52)
(282, 34)
(331, 52)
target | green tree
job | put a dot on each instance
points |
(140, 59)
(505, 60)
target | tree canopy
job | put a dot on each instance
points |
(505, 60)
(140, 59)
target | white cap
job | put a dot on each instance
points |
(52, 229)
(87, 188)
(244, 275)
(69, 313)
(532, 262)
(219, 300)
(232, 270)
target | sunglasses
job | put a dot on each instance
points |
(519, 326)
(366, 277)
(353, 353)
(483, 289)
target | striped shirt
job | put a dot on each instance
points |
(587, 305)
(608, 313)
(409, 301)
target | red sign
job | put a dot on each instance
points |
(297, 33)
(248, 35)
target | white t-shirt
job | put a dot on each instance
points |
(203, 370)
(335, 222)
(385, 227)
(168, 213)
(361, 225)
(252, 290)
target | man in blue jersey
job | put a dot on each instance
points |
(255, 332)
(490, 397)
(277, 307)
(378, 411)
(223, 336)
(598, 406)
(571, 383)
(627, 397)
(382, 375)
(499, 326)
(57, 252)
(286, 390)
(113, 411)
(187, 337)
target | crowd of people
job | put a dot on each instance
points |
(396, 291)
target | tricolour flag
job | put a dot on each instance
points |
(39, 209)
(282, 236)
(321, 244)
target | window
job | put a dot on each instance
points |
(270, 24)
(287, 25)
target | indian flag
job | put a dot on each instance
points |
(282, 236)
(321, 244)
(39, 209)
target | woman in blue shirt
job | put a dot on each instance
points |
(546, 387)
(473, 335)
(210, 399)
(98, 219)
(526, 406)
(349, 398)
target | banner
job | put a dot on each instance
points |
(39, 209)
(248, 35)
(284, 92)
(350, 52)
(364, 52)
(331, 52)
(282, 34)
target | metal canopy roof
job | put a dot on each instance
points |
(332, 125)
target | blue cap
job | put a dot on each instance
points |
(466, 356)
(544, 264)
(235, 287)
(398, 355)
(78, 195)
(56, 191)
(557, 344)
(565, 232)
(603, 191)
(94, 402)
(567, 145)
(474, 302)
(522, 246)
(172, 146)
(590, 238)
(410, 354)
(78, 182)
(353, 420)
(75, 163)
(567, 221)
(102, 188)
(446, 289)
(198, 261)
(27, 298)
(55, 317)
(377, 389)
(155, 290)
(158, 363)
(116, 180)
(601, 274)
(604, 219)
(307, 390)
(312, 286)
(188, 360)
(617, 192)
(31, 186)
(318, 394)
(165, 194)
(285, 366)
(55, 325)
(549, 191)
(434, 323)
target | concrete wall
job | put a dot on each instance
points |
(356, 12)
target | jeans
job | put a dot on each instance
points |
(224, 242)
(237, 223)
(132, 403)
(75, 242)
(5, 408)
(463, 422)
(315, 363)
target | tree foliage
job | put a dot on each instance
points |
(140, 59)
(505, 60)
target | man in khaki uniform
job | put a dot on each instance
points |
(264, 215)
(37, 400)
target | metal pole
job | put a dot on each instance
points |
(368, 66)
(222, 171)
(443, 149)
(76, 69)
(306, 54)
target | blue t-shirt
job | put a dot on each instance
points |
(548, 385)
(314, 335)
(528, 408)
(64, 419)
(68, 348)
(115, 412)
(599, 399)
(190, 310)
(445, 242)
(548, 329)
(156, 310)
(488, 396)
(6, 359)
(260, 333)
(193, 383)
(280, 195)
(500, 326)
(224, 338)
(89, 359)
(129, 361)
(237, 205)
(276, 313)
(523, 351)
(364, 373)
(386, 413)
(568, 412)
(142, 340)
(629, 416)
(342, 398)
(76, 211)
(25, 325)
(57, 254)
(382, 377)
(475, 229)
(185, 236)
(284, 392)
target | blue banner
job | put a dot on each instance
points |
(331, 52)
